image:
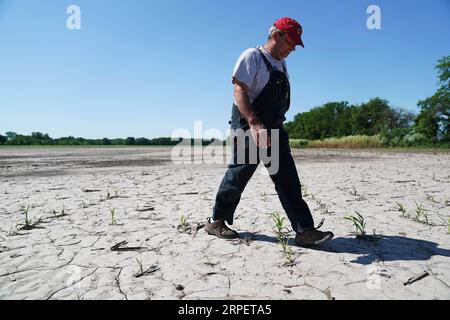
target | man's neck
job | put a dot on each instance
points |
(270, 48)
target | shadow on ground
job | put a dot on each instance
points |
(385, 248)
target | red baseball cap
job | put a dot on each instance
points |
(291, 28)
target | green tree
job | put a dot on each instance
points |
(3, 139)
(372, 117)
(130, 141)
(106, 142)
(142, 141)
(11, 135)
(433, 120)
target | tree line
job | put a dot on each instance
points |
(38, 138)
(394, 126)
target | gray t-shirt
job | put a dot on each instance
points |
(251, 70)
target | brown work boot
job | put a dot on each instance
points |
(312, 237)
(220, 229)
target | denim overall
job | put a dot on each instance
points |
(270, 106)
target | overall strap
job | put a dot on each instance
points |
(266, 61)
(268, 64)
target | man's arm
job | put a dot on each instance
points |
(245, 107)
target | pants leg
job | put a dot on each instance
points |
(288, 187)
(241, 169)
(230, 190)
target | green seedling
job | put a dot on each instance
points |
(358, 223)
(446, 223)
(282, 234)
(305, 191)
(279, 223)
(141, 267)
(27, 221)
(62, 214)
(419, 211)
(401, 208)
(116, 191)
(431, 198)
(361, 198)
(113, 216)
(183, 226)
(284, 242)
(289, 256)
(425, 215)
(264, 196)
(28, 225)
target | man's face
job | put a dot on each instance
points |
(285, 47)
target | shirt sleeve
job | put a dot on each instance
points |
(245, 69)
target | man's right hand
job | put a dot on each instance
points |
(259, 132)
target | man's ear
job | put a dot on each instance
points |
(277, 36)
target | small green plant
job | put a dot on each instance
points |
(282, 234)
(283, 241)
(113, 216)
(28, 225)
(305, 191)
(279, 223)
(431, 198)
(116, 191)
(183, 226)
(289, 256)
(401, 208)
(425, 215)
(141, 267)
(25, 211)
(446, 223)
(61, 214)
(361, 197)
(419, 211)
(264, 196)
(359, 224)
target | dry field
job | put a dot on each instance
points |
(126, 223)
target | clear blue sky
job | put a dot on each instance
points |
(144, 68)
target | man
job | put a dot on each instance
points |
(261, 99)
